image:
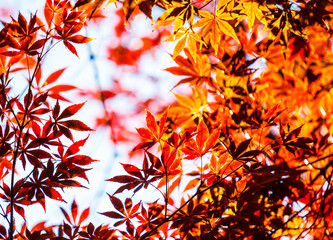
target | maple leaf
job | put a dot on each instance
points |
(217, 167)
(170, 160)
(40, 186)
(215, 25)
(178, 13)
(292, 141)
(198, 70)
(203, 142)
(72, 217)
(65, 125)
(190, 106)
(124, 56)
(252, 10)
(185, 35)
(124, 211)
(72, 164)
(139, 178)
(145, 7)
(72, 25)
(151, 217)
(20, 197)
(153, 133)
(298, 47)
(21, 36)
(135, 181)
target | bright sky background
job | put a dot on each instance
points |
(80, 73)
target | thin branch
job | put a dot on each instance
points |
(185, 203)
(18, 143)
(4, 214)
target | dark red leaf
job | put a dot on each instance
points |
(76, 125)
(19, 210)
(70, 47)
(53, 194)
(82, 160)
(132, 170)
(122, 179)
(74, 210)
(71, 110)
(117, 203)
(112, 214)
(75, 147)
(36, 45)
(40, 153)
(241, 148)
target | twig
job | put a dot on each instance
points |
(185, 203)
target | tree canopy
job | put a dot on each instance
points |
(244, 151)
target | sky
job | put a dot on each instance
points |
(80, 72)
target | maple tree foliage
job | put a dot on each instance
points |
(243, 152)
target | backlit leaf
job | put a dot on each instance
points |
(71, 110)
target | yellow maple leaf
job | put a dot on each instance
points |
(216, 25)
(252, 10)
